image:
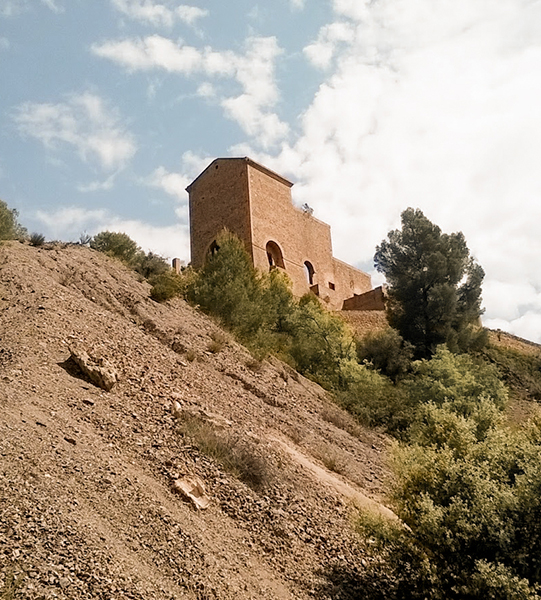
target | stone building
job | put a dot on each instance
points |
(255, 204)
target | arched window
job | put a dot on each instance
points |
(309, 270)
(274, 255)
(213, 248)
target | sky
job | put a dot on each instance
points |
(110, 108)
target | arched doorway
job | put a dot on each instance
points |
(274, 255)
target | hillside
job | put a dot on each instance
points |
(88, 505)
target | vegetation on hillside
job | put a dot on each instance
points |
(467, 485)
(434, 293)
(119, 245)
(10, 228)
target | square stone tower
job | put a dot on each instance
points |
(255, 204)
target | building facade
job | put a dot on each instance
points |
(255, 204)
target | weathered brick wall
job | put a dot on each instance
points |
(255, 204)
(371, 300)
(218, 199)
(300, 236)
(365, 321)
(349, 281)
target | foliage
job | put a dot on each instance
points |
(256, 306)
(373, 399)
(261, 310)
(10, 228)
(456, 378)
(468, 489)
(434, 293)
(387, 352)
(150, 265)
(116, 244)
(520, 371)
(37, 239)
(166, 285)
(321, 345)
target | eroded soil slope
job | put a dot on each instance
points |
(87, 506)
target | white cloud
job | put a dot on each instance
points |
(254, 71)
(97, 186)
(321, 52)
(85, 123)
(164, 15)
(53, 5)
(71, 220)
(432, 105)
(158, 52)
(173, 184)
(170, 242)
(11, 8)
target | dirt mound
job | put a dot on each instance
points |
(88, 507)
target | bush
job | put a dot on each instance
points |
(150, 265)
(373, 399)
(321, 345)
(166, 285)
(469, 490)
(37, 239)
(10, 228)
(456, 378)
(117, 245)
(387, 352)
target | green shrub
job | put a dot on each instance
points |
(117, 245)
(520, 371)
(387, 352)
(456, 378)
(469, 490)
(321, 344)
(374, 400)
(150, 265)
(10, 228)
(166, 285)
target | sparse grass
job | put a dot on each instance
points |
(67, 278)
(255, 365)
(218, 341)
(190, 355)
(342, 420)
(11, 585)
(331, 458)
(236, 455)
(295, 434)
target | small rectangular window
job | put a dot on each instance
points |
(331, 286)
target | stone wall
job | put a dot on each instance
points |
(218, 200)
(255, 203)
(372, 300)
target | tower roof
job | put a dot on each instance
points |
(250, 162)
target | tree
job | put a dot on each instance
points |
(434, 294)
(10, 229)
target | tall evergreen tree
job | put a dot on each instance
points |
(434, 294)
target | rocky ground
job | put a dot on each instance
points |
(88, 507)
